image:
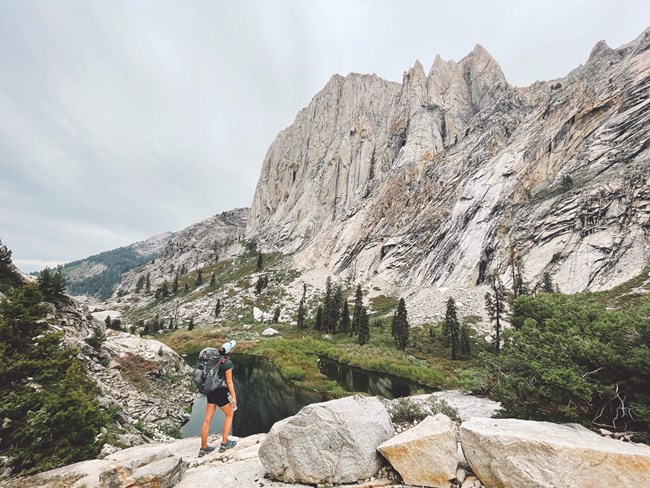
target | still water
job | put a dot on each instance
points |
(375, 384)
(263, 398)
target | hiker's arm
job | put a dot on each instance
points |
(231, 385)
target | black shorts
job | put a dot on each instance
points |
(218, 397)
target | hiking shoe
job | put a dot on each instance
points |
(206, 450)
(227, 445)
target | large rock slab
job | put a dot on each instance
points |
(330, 442)
(426, 454)
(509, 453)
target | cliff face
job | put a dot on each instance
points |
(439, 180)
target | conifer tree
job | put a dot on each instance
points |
(356, 311)
(327, 306)
(5, 256)
(260, 263)
(175, 284)
(364, 327)
(8, 276)
(217, 308)
(336, 309)
(300, 319)
(451, 328)
(191, 324)
(400, 325)
(59, 421)
(547, 283)
(199, 278)
(147, 284)
(345, 317)
(465, 344)
(51, 284)
(213, 280)
(139, 284)
(496, 306)
(276, 315)
(519, 286)
(319, 319)
(164, 289)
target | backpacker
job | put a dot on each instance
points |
(206, 375)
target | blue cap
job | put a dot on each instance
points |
(228, 346)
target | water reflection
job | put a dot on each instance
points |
(376, 384)
(263, 398)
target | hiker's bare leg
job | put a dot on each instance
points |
(210, 408)
(227, 423)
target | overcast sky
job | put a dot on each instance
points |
(123, 119)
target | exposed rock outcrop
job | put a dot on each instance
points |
(433, 181)
(426, 454)
(331, 442)
(511, 453)
(148, 382)
(192, 248)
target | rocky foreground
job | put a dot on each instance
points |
(339, 443)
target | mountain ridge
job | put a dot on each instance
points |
(334, 184)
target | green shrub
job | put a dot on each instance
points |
(573, 360)
(292, 373)
(408, 410)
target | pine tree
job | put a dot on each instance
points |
(300, 320)
(8, 276)
(400, 325)
(262, 282)
(260, 264)
(36, 432)
(364, 327)
(356, 311)
(319, 319)
(217, 308)
(51, 284)
(5, 256)
(519, 286)
(191, 324)
(175, 284)
(164, 290)
(451, 328)
(547, 283)
(213, 280)
(107, 321)
(465, 344)
(139, 284)
(327, 306)
(496, 306)
(336, 309)
(276, 315)
(345, 317)
(147, 284)
(199, 278)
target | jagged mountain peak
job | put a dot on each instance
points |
(429, 182)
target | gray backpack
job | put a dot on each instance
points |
(206, 375)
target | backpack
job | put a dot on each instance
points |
(206, 375)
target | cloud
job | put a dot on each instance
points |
(122, 119)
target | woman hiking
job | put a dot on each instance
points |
(225, 399)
